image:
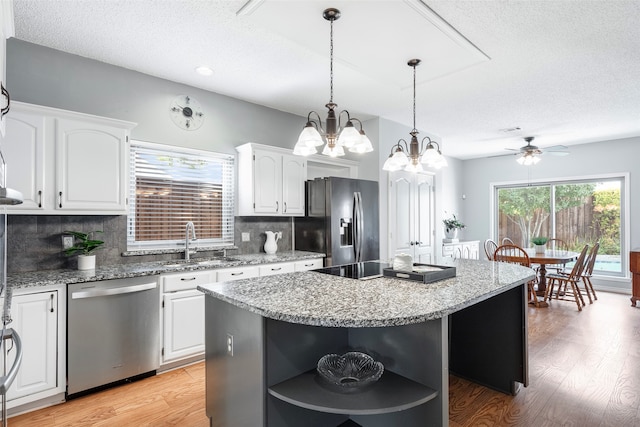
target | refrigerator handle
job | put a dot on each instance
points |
(358, 226)
(6, 380)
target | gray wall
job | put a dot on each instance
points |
(43, 76)
(607, 157)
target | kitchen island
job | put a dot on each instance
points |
(264, 338)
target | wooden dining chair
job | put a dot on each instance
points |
(516, 255)
(507, 241)
(564, 281)
(588, 272)
(557, 245)
(489, 248)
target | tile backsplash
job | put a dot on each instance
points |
(34, 242)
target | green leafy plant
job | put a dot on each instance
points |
(453, 223)
(539, 240)
(83, 243)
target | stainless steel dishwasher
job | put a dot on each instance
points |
(112, 332)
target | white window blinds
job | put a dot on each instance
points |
(170, 186)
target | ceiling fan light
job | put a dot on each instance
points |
(310, 136)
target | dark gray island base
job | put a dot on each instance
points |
(264, 338)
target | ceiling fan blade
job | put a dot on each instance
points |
(557, 153)
(556, 148)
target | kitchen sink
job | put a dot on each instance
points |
(196, 262)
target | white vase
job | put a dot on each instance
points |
(540, 248)
(271, 245)
(86, 262)
(451, 233)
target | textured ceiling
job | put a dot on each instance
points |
(564, 71)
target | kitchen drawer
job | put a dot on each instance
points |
(280, 268)
(309, 264)
(186, 280)
(238, 273)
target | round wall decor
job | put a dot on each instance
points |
(186, 112)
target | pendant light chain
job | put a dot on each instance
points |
(414, 98)
(331, 62)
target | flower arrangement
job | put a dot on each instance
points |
(83, 243)
(539, 240)
(452, 223)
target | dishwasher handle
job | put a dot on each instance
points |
(101, 292)
(6, 381)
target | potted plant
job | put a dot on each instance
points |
(451, 227)
(84, 245)
(540, 244)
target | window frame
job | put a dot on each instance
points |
(625, 232)
(178, 244)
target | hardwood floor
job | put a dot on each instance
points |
(584, 370)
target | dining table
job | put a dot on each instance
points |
(549, 257)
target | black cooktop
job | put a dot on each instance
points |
(358, 270)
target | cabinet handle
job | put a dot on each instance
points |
(277, 206)
(51, 303)
(187, 279)
(285, 207)
(39, 198)
(276, 269)
(411, 243)
(237, 274)
(60, 199)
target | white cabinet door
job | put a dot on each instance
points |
(183, 324)
(267, 183)
(35, 318)
(293, 179)
(270, 181)
(24, 154)
(91, 166)
(411, 214)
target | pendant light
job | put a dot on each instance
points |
(333, 135)
(411, 157)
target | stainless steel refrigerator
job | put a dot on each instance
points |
(342, 220)
(10, 340)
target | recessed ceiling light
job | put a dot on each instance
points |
(203, 70)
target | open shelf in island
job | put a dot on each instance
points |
(391, 393)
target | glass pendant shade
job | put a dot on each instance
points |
(304, 150)
(349, 137)
(414, 166)
(528, 159)
(310, 136)
(364, 146)
(430, 156)
(335, 151)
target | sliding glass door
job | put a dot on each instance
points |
(578, 212)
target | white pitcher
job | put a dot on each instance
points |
(271, 245)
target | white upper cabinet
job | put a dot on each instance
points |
(270, 181)
(6, 31)
(65, 162)
(91, 166)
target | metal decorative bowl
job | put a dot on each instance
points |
(350, 372)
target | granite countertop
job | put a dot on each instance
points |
(68, 276)
(317, 299)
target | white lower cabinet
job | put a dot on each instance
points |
(183, 305)
(182, 311)
(39, 319)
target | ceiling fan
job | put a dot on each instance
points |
(529, 154)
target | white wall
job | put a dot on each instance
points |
(607, 157)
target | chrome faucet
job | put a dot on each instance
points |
(187, 252)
